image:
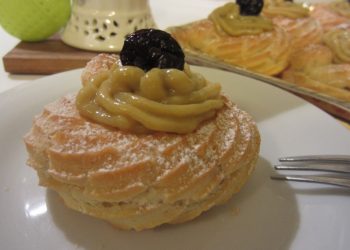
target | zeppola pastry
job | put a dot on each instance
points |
(295, 19)
(236, 34)
(331, 14)
(324, 68)
(338, 41)
(146, 141)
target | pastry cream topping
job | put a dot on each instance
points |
(341, 7)
(286, 9)
(168, 100)
(338, 41)
(228, 20)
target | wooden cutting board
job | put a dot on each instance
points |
(46, 57)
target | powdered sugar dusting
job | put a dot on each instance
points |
(93, 149)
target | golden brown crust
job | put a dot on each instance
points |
(327, 17)
(319, 86)
(303, 31)
(141, 181)
(337, 40)
(311, 56)
(266, 53)
(312, 68)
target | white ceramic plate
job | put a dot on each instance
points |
(266, 214)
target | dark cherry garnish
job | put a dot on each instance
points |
(250, 7)
(152, 48)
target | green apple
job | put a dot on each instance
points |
(34, 20)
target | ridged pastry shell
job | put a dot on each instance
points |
(337, 39)
(140, 181)
(312, 68)
(327, 17)
(266, 53)
(303, 31)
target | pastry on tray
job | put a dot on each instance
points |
(337, 39)
(146, 141)
(324, 68)
(331, 14)
(237, 35)
(295, 19)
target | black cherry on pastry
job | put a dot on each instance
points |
(250, 7)
(152, 48)
(142, 147)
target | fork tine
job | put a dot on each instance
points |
(335, 159)
(328, 168)
(315, 179)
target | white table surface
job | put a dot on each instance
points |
(7, 80)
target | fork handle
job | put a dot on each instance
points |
(314, 178)
(336, 159)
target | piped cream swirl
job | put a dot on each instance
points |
(338, 40)
(341, 7)
(167, 100)
(228, 20)
(286, 9)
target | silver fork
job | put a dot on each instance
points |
(339, 164)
